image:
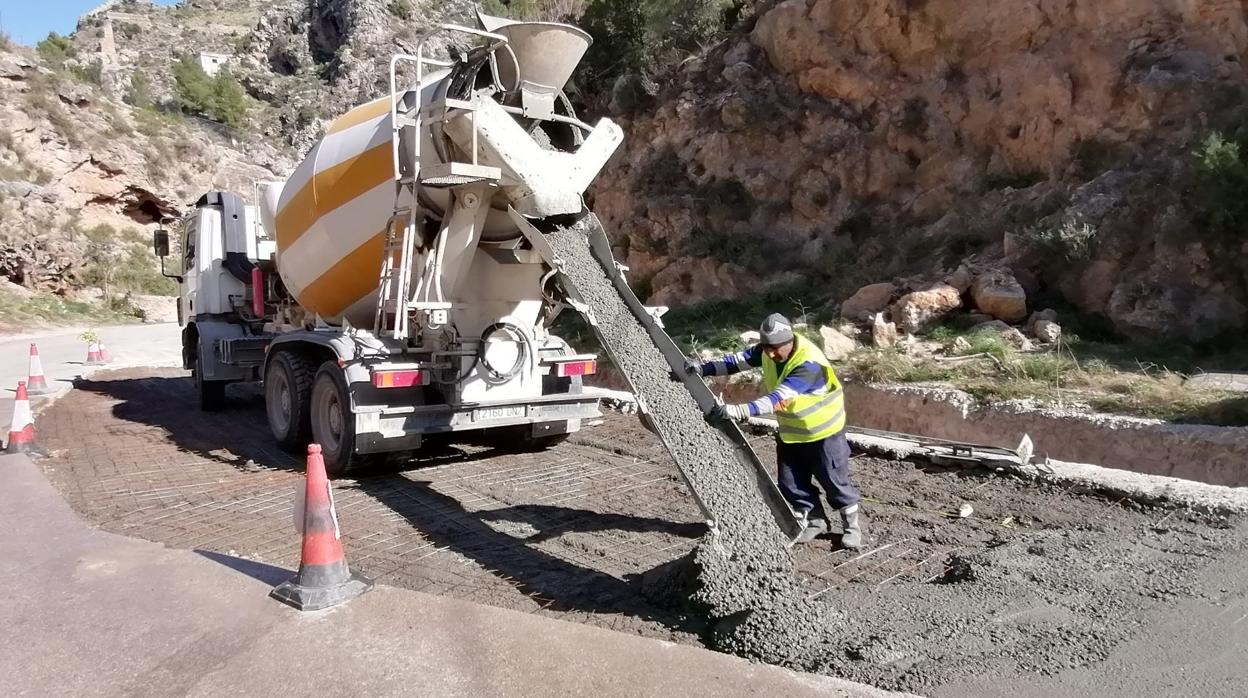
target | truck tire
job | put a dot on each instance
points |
(333, 422)
(287, 394)
(211, 393)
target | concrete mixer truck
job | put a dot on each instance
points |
(397, 284)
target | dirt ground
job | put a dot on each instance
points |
(1037, 581)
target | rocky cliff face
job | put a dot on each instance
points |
(73, 159)
(849, 142)
(826, 146)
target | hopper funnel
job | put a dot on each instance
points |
(547, 52)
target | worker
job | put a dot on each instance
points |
(805, 395)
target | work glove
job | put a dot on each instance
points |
(692, 368)
(721, 414)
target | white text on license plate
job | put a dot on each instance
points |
(487, 413)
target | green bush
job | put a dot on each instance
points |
(90, 73)
(644, 37)
(55, 49)
(139, 94)
(537, 10)
(219, 98)
(1221, 187)
(988, 342)
(1072, 241)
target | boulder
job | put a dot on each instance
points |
(751, 337)
(959, 346)
(883, 333)
(867, 301)
(917, 311)
(961, 279)
(1047, 331)
(836, 346)
(1017, 339)
(999, 294)
(1047, 314)
(14, 66)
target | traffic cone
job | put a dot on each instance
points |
(36, 383)
(93, 353)
(323, 579)
(104, 357)
(22, 433)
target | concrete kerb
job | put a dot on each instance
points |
(1210, 454)
(1143, 487)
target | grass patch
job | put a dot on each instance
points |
(1057, 377)
(45, 309)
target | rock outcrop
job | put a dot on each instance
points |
(916, 311)
(860, 141)
(1000, 295)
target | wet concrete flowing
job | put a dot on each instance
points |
(744, 578)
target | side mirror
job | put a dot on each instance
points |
(160, 242)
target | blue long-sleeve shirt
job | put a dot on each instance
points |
(806, 378)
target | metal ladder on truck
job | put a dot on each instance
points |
(395, 301)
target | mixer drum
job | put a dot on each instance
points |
(334, 209)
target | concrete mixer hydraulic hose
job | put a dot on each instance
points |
(522, 354)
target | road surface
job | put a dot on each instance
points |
(63, 356)
(1043, 591)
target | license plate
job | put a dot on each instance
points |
(486, 414)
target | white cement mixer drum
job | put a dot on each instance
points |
(334, 209)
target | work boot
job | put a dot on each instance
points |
(811, 528)
(852, 536)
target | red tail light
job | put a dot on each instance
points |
(398, 379)
(257, 292)
(576, 368)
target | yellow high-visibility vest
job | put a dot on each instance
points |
(809, 416)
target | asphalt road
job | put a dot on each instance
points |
(64, 355)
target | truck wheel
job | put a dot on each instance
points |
(287, 392)
(211, 393)
(333, 423)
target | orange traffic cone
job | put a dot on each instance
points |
(323, 579)
(36, 383)
(93, 354)
(22, 433)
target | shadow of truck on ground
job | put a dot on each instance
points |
(239, 437)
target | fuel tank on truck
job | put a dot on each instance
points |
(334, 208)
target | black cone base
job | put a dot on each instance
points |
(318, 598)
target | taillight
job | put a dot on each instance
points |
(398, 379)
(567, 369)
(257, 292)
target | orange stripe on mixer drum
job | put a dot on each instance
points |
(353, 277)
(331, 188)
(362, 113)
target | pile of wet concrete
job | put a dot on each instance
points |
(741, 574)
